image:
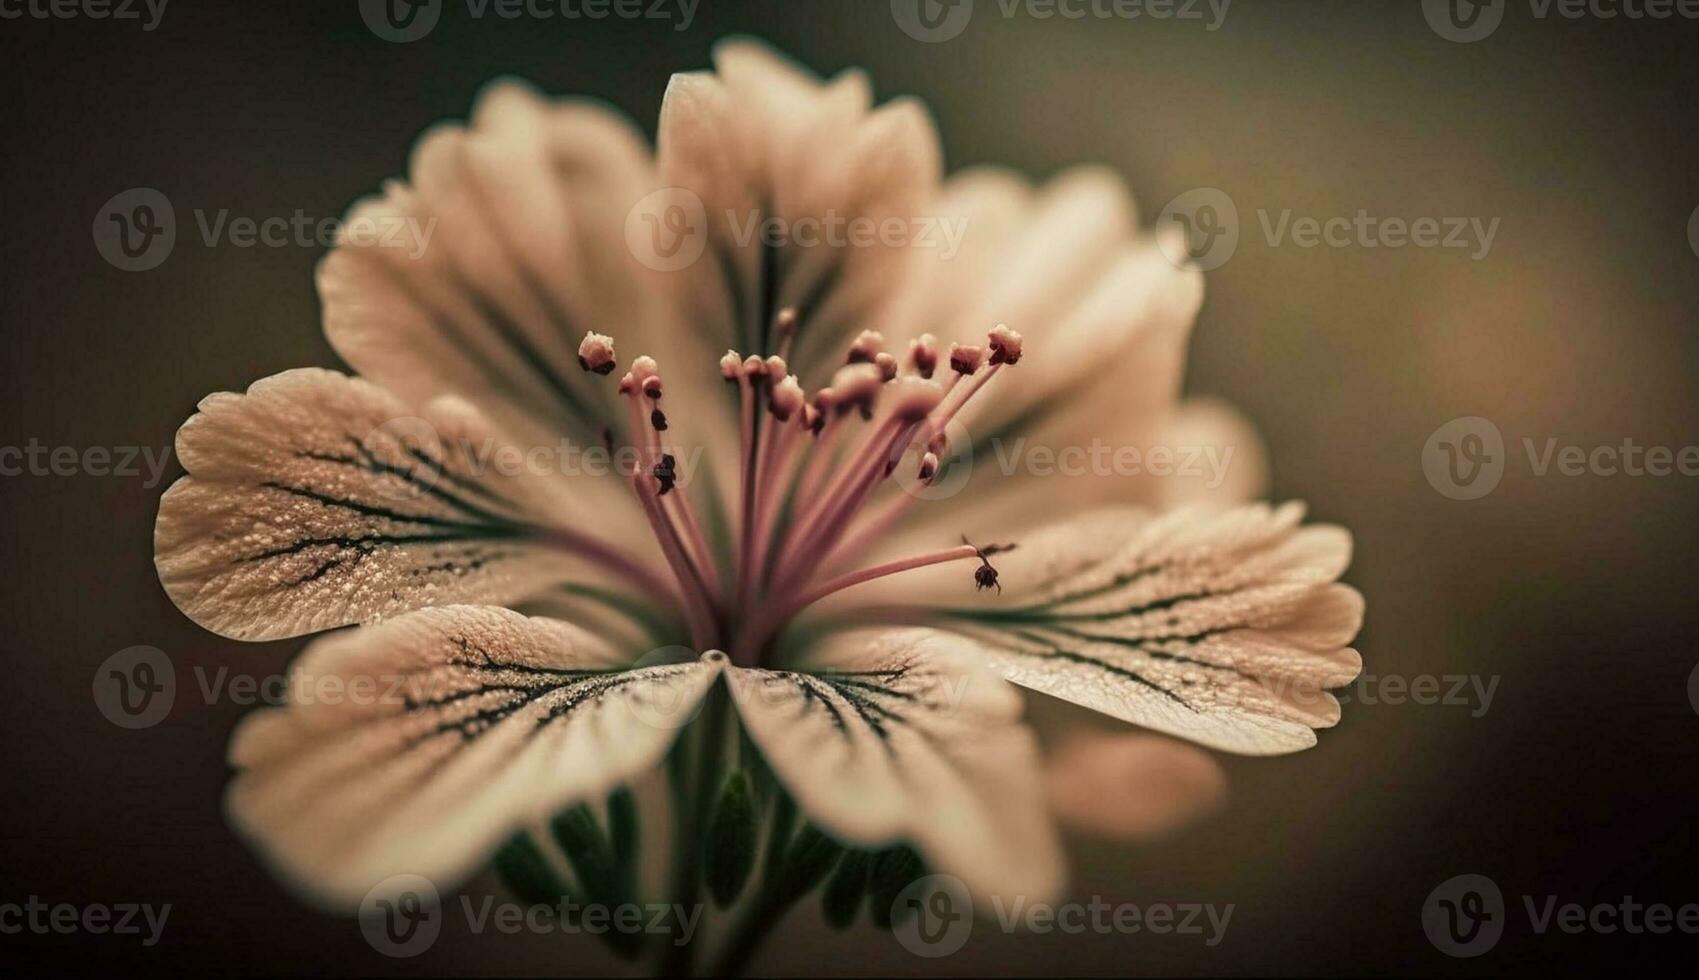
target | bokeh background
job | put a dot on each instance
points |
(1575, 593)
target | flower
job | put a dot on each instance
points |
(805, 521)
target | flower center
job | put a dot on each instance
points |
(808, 467)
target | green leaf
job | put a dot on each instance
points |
(894, 869)
(846, 889)
(729, 849)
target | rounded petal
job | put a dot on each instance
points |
(1132, 787)
(907, 736)
(316, 500)
(418, 746)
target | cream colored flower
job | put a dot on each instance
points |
(796, 514)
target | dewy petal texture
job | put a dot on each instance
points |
(908, 736)
(419, 745)
(1226, 629)
(316, 500)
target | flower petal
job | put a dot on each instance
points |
(1223, 628)
(475, 722)
(316, 500)
(763, 140)
(907, 736)
(1132, 787)
(503, 264)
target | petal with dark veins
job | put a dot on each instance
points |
(907, 736)
(1224, 628)
(419, 745)
(316, 500)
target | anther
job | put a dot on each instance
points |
(985, 577)
(923, 355)
(1005, 345)
(855, 386)
(913, 399)
(965, 358)
(928, 467)
(776, 369)
(787, 399)
(652, 387)
(731, 365)
(596, 353)
(784, 324)
(754, 368)
(658, 420)
(886, 362)
(869, 345)
(666, 474)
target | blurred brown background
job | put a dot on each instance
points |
(1576, 593)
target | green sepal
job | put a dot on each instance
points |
(728, 856)
(810, 858)
(526, 872)
(846, 888)
(894, 869)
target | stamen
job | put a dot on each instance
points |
(965, 358)
(596, 353)
(869, 345)
(1005, 345)
(984, 577)
(923, 355)
(784, 328)
(886, 362)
